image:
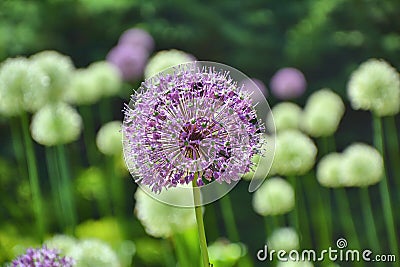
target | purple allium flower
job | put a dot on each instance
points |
(42, 257)
(196, 121)
(288, 83)
(129, 60)
(137, 37)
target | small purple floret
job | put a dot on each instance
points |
(195, 122)
(42, 257)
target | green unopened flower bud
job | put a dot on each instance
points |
(107, 77)
(286, 115)
(285, 238)
(93, 252)
(56, 124)
(83, 89)
(109, 138)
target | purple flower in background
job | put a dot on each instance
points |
(137, 37)
(195, 122)
(288, 83)
(42, 257)
(129, 60)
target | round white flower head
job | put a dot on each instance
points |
(375, 86)
(109, 138)
(63, 243)
(362, 165)
(322, 114)
(329, 170)
(286, 115)
(165, 59)
(107, 76)
(162, 220)
(284, 238)
(94, 253)
(276, 196)
(56, 124)
(294, 153)
(59, 68)
(23, 86)
(290, 263)
(106, 229)
(83, 89)
(224, 253)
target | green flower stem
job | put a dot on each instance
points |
(302, 213)
(181, 250)
(167, 254)
(66, 189)
(104, 110)
(384, 190)
(89, 135)
(393, 142)
(200, 223)
(55, 186)
(33, 178)
(371, 232)
(294, 216)
(17, 143)
(229, 219)
(117, 187)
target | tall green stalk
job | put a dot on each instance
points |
(394, 153)
(89, 135)
(384, 190)
(229, 219)
(371, 232)
(200, 222)
(33, 178)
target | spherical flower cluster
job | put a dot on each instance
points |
(362, 165)
(136, 37)
(93, 252)
(164, 60)
(107, 77)
(83, 88)
(294, 153)
(322, 114)
(329, 170)
(196, 121)
(23, 86)
(63, 243)
(375, 86)
(109, 138)
(285, 238)
(162, 220)
(106, 229)
(59, 69)
(276, 196)
(288, 83)
(56, 124)
(42, 257)
(286, 116)
(224, 253)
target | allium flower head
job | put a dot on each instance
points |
(23, 86)
(59, 68)
(286, 115)
(107, 77)
(285, 238)
(329, 170)
(109, 138)
(130, 61)
(294, 154)
(362, 165)
(63, 243)
(193, 121)
(375, 86)
(322, 114)
(42, 257)
(224, 253)
(288, 83)
(137, 37)
(56, 124)
(274, 197)
(162, 220)
(165, 59)
(93, 252)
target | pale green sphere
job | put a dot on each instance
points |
(107, 76)
(109, 138)
(83, 88)
(275, 197)
(94, 253)
(285, 238)
(56, 124)
(286, 115)
(63, 243)
(329, 170)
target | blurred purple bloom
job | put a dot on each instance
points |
(129, 60)
(137, 37)
(42, 257)
(196, 120)
(288, 83)
(256, 88)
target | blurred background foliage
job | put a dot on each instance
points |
(325, 39)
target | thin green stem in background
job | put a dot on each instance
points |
(229, 219)
(181, 250)
(303, 214)
(394, 153)
(294, 214)
(66, 189)
(33, 178)
(89, 135)
(200, 222)
(384, 190)
(117, 187)
(370, 229)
